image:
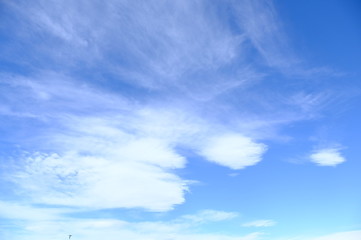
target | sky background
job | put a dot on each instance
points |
(180, 120)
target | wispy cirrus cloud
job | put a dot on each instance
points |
(266, 33)
(173, 49)
(260, 223)
(209, 215)
(25, 212)
(263, 27)
(55, 223)
(351, 235)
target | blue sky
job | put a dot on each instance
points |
(174, 120)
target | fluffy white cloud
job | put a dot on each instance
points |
(260, 223)
(233, 150)
(327, 157)
(131, 179)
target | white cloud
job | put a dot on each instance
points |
(121, 156)
(233, 150)
(50, 95)
(327, 157)
(210, 216)
(251, 236)
(351, 235)
(11, 210)
(132, 179)
(260, 223)
(170, 39)
(56, 225)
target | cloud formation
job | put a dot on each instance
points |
(260, 223)
(123, 155)
(327, 157)
(233, 150)
(110, 93)
(351, 235)
(54, 223)
(210, 215)
(97, 182)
